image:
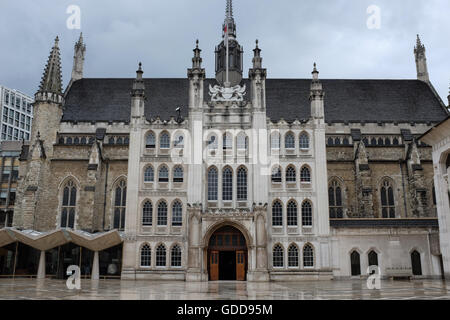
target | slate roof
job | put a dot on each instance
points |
(345, 100)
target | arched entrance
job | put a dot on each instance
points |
(227, 255)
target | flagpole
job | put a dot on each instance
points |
(227, 83)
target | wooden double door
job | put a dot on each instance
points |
(227, 255)
(227, 265)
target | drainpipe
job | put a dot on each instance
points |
(106, 188)
(403, 187)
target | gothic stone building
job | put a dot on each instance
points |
(239, 178)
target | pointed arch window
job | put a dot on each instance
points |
(355, 263)
(308, 256)
(335, 200)
(416, 263)
(120, 201)
(278, 256)
(178, 174)
(275, 140)
(242, 184)
(163, 174)
(146, 256)
(277, 214)
(289, 141)
(304, 141)
(305, 175)
(292, 214)
(227, 184)
(293, 256)
(68, 208)
(177, 214)
(162, 213)
(227, 141)
(307, 214)
(212, 184)
(161, 256)
(291, 175)
(387, 200)
(149, 175)
(147, 214)
(175, 256)
(242, 142)
(276, 175)
(373, 258)
(164, 141)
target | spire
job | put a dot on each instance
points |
(421, 61)
(51, 83)
(78, 59)
(315, 73)
(229, 25)
(316, 95)
(197, 59)
(138, 84)
(257, 60)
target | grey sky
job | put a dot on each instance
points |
(161, 33)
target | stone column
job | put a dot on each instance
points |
(41, 269)
(95, 267)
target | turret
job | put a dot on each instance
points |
(257, 76)
(138, 97)
(421, 61)
(196, 76)
(78, 59)
(317, 96)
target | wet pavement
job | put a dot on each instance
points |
(226, 290)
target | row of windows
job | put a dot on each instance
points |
(76, 140)
(146, 256)
(17, 102)
(162, 213)
(289, 141)
(293, 256)
(292, 214)
(227, 184)
(291, 174)
(164, 141)
(163, 174)
(10, 133)
(15, 118)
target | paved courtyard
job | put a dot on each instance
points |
(158, 290)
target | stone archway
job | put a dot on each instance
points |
(226, 252)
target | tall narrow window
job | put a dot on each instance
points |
(373, 258)
(227, 185)
(227, 141)
(276, 175)
(293, 256)
(146, 256)
(277, 214)
(149, 175)
(69, 205)
(304, 141)
(289, 141)
(178, 174)
(387, 200)
(162, 213)
(242, 142)
(275, 140)
(163, 174)
(355, 263)
(161, 256)
(177, 214)
(335, 200)
(305, 175)
(416, 263)
(242, 184)
(164, 141)
(120, 205)
(147, 214)
(292, 214)
(278, 256)
(212, 184)
(306, 214)
(291, 175)
(308, 256)
(175, 256)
